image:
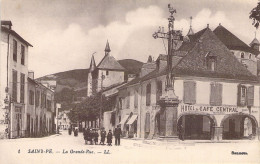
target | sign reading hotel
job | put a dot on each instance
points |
(185, 108)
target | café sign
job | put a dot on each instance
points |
(184, 108)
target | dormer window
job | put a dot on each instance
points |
(242, 55)
(211, 62)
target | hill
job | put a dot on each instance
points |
(72, 84)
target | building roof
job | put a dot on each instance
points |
(254, 41)
(107, 49)
(15, 34)
(92, 66)
(193, 63)
(231, 41)
(109, 62)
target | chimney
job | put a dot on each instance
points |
(7, 24)
(31, 74)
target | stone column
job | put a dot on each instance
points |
(169, 102)
(218, 131)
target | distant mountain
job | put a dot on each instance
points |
(71, 84)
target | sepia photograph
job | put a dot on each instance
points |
(129, 81)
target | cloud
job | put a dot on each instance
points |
(60, 49)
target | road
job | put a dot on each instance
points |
(68, 149)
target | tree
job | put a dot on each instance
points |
(90, 108)
(255, 15)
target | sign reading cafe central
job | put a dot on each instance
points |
(183, 108)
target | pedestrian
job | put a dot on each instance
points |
(70, 130)
(103, 136)
(91, 136)
(85, 131)
(76, 132)
(88, 136)
(96, 137)
(109, 138)
(181, 132)
(118, 134)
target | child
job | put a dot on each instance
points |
(96, 137)
(109, 138)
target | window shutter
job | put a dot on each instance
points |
(219, 94)
(148, 94)
(193, 92)
(250, 96)
(239, 95)
(147, 122)
(189, 92)
(212, 94)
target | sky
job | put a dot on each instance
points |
(65, 33)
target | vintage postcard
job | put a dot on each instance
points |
(129, 81)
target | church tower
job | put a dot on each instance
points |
(108, 72)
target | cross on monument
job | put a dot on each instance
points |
(173, 36)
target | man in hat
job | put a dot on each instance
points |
(117, 133)
(103, 136)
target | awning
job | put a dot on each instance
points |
(122, 122)
(132, 119)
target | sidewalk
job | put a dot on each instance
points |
(163, 142)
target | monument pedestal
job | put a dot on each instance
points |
(168, 115)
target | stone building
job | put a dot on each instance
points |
(20, 114)
(13, 85)
(108, 72)
(218, 97)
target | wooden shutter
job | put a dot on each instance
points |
(212, 94)
(239, 95)
(147, 122)
(250, 96)
(148, 94)
(216, 94)
(219, 94)
(189, 92)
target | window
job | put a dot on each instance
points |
(158, 91)
(128, 100)
(49, 105)
(136, 99)
(37, 98)
(120, 103)
(15, 50)
(216, 94)
(250, 56)
(22, 83)
(245, 96)
(107, 72)
(22, 55)
(31, 97)
(242, 55)
(189, 92)
(14, 89)
(211, 63)
(148, 94)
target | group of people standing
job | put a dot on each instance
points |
(91, 136)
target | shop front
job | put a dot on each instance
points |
(205, 122)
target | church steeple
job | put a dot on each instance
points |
(190, 30)
(92, 66)
(255, 43)
(107, 49)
